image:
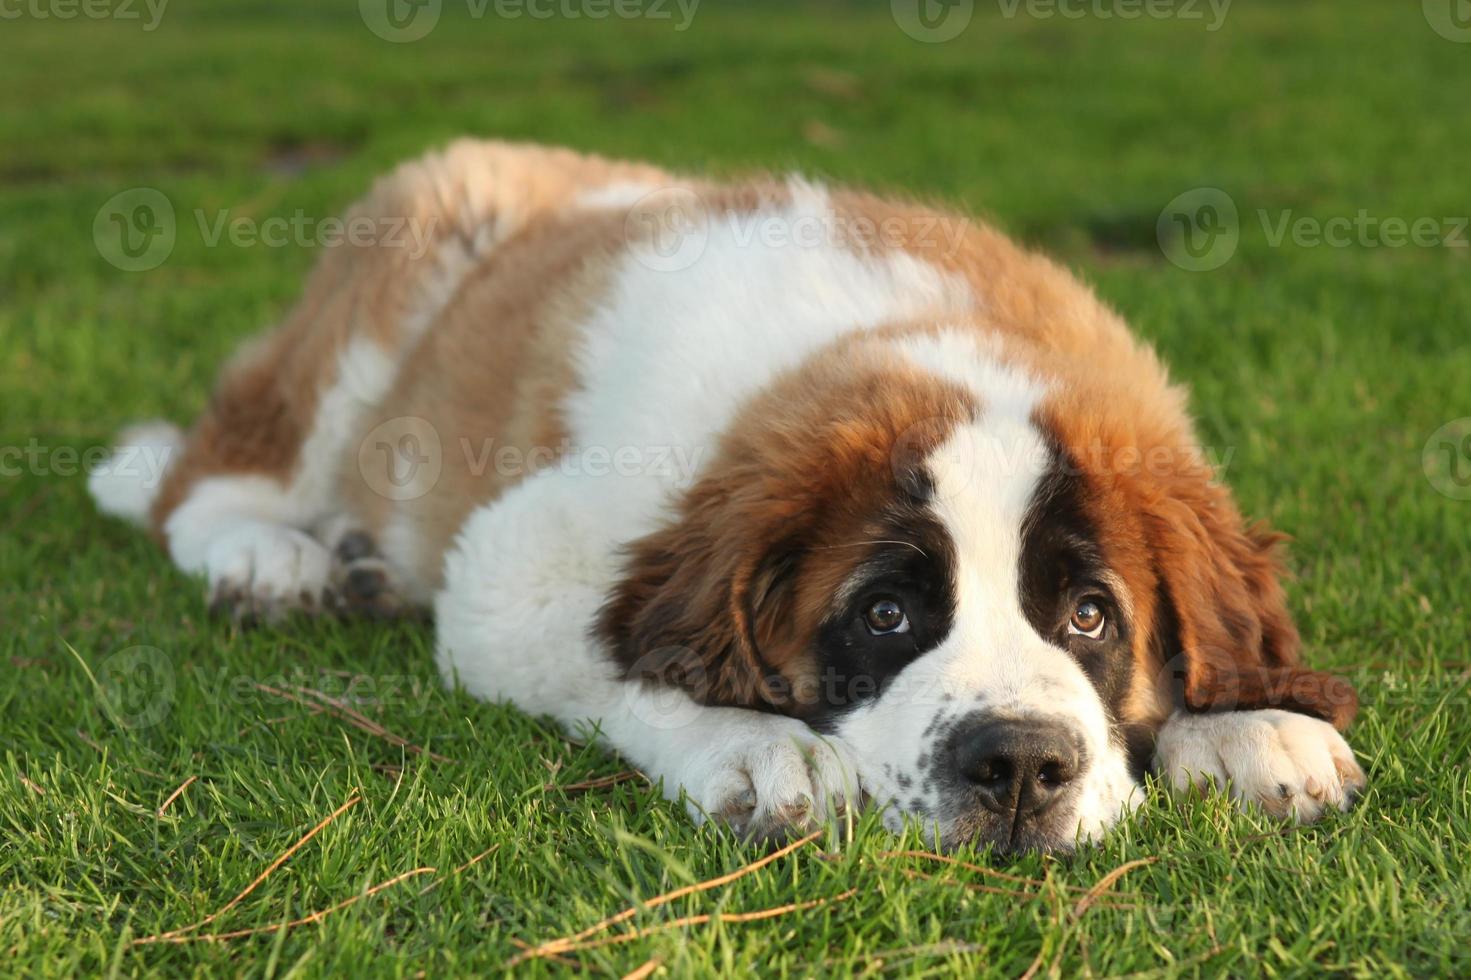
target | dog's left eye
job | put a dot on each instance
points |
(1088, 620)
(886, 616)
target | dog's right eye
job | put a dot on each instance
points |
(1088, 620)
(886, 616)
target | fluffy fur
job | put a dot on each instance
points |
(660, 454)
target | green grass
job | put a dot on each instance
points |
(1321, 371)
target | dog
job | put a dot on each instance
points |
(808, 500)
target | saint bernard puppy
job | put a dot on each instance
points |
(807, 499)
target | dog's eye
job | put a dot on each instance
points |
(886, 616)
(1088, 620)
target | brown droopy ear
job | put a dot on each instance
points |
(1226, 638)
(700, 599)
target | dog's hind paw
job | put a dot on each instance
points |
(363, 582)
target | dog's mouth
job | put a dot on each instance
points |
(1056, 832)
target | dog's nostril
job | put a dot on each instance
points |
(994, 771)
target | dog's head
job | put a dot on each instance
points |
(992, 588)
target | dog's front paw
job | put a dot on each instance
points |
(1291, 765)
(773, 778)
(263, 572)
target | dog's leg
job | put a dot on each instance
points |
(1291, 765)
(265, 463)
(515, 616)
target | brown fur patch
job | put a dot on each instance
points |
(459, 201)
(726, 599)
(1214, 632)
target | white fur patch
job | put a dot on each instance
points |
(672, 353)
(364, 374)
(215, 506)
(522, 587)
(127, 482)
(619, 196)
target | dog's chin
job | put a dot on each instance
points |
(983, 829)
(1005, 844)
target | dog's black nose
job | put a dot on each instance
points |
(1019, 766)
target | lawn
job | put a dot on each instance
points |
(1323, 372)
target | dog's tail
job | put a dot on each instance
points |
(127, 482)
